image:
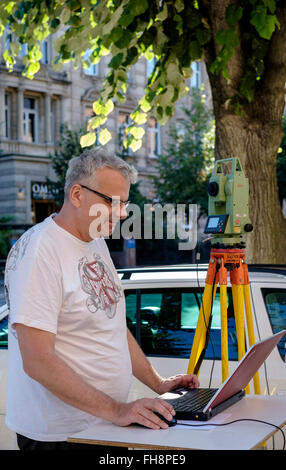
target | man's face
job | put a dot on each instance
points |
(101, 214)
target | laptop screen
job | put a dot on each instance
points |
(245, 369)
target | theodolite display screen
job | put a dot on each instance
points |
(216, 223)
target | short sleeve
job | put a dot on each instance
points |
(34, 289)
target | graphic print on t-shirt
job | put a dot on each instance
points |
(18, 251)
(98, 281)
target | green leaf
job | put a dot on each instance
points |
(228, 38)
(264, 24)
(135, 145)
(132, 54)
(195, 50)
(116, 61)
(124, 40)
(138, 6)
(144, 105)
(179, 5)
(233, 14)
(271, 4)
(126, 19)
(95, 122)
(163, 14)
(173, 73)
(116, 34)
(15, 48)
(120, 96)
(32, 69)
(65, 15)
(165, 98)
(104, 136)
(104, 109)
(246, 86)
(137, 132)
(139, 117)
(88, 139)
(203, 36)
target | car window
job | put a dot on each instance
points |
(275, 301)
(168, 319)
(4, 333)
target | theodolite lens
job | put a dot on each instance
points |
(248, 227)
(213, 188)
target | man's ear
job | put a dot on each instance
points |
(76, 195)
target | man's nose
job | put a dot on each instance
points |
(119, 210)
(123, 211)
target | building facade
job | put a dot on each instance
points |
(31, 112)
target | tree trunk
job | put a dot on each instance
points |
(256, 145)
(254, 138)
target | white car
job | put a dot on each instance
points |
(162, 307)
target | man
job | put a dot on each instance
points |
(71, 357)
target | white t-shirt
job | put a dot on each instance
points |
(58, 283)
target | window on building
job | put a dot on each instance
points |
(52, 120)
(8, 38)
(123, 121)
(88, 112)
(150, 64)
(42, 201)
(24, 50)
(45, 49)
(196, 78)
(90, 69)
(153, 138)
(130, 76)
(30, 120)
(7, 115)
(164, 322)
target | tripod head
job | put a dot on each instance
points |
(228, 218)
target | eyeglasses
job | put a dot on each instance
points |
(107, 198)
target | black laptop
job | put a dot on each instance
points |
(201, 404)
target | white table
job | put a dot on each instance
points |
(242, 435)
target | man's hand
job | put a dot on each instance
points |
(142, 412)
(180, 380)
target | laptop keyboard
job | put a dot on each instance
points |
(194, 400)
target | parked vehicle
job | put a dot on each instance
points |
(162, 308)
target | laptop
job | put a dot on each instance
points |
(201, 404)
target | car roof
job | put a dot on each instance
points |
(196, 272)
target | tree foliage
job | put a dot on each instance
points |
(5, 235)
(186, 163)
(175, 32)
(67, 147)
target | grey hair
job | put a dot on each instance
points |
(84, 167)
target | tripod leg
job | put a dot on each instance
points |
(250, 329)
(201, 329)
(224, 332)
(237, 295)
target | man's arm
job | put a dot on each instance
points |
(144, 371)
(41, 362)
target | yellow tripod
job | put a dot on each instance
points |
(221, 261)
